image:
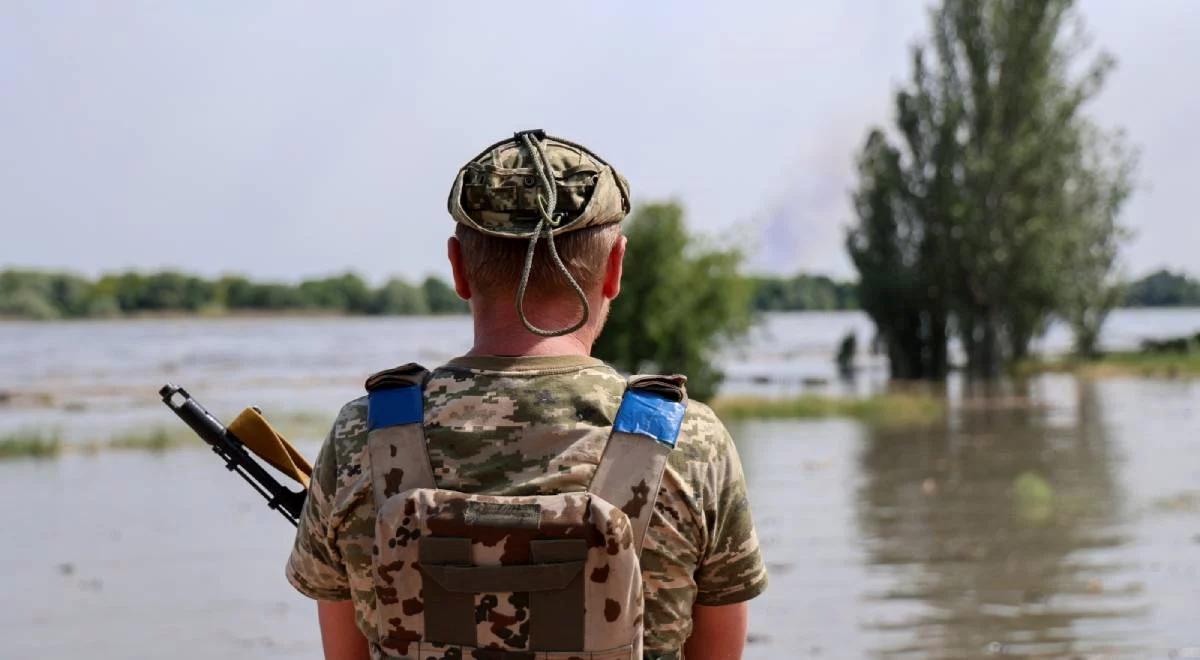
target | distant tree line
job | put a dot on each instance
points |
(1163, 289)
(801, 293)
(50, 295)
(31, 294)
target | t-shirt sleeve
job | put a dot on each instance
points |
(315, 567)
(731, 570)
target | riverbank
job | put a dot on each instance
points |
(1122, 363)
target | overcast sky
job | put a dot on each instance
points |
(284, 139)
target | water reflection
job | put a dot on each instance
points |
(1002, 528)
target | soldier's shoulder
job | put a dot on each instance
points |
(702, 436)
(349, 433)
(343, 448)
(351, 418)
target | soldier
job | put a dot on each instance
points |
(525, 500)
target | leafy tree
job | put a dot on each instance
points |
(399, 297)
(802, 292)
(1090, 290)
(996, 207)
(237, 292)
(26, 303)
(163, 291)
(900, 287)
(346, 292)
(679, 299)
(1163, 289)
(441, 298)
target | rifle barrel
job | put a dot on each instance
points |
(233, 451)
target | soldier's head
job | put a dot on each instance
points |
(538, 237)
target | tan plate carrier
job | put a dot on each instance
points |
(546, 577)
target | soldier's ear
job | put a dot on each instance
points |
(454, 251)
(613, 269)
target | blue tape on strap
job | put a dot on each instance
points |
(393, 407)
(652, 415)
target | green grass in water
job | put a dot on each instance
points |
(30, 444)
(1125, 363)
(893, 409)
(302, 426)
(159, 439)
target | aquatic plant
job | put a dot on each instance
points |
(1124, 363)
(158, 439)
(891, 409)
(30, 444)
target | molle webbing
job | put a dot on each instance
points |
(396, 441)
(644, 433)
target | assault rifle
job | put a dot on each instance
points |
(249, 435)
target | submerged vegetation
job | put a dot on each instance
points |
(1173, 357)
(890, 409)
(1124, 363)
(30, 444)
(158, 439)
(43, 444)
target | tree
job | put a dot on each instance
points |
(679, 299)
(1163, 289)
(900, 288)
(1093, 199)
(399, 297)
(346, 292)
(441, 298)
(802, 292)
(996, 208)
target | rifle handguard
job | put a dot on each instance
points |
(261, 438)
(228, 444)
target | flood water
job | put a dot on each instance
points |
(1052, 518)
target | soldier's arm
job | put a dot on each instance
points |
(315, 566)
(340, 637)
(731, 571)
(718, 632)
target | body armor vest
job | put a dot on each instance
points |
(539, 577)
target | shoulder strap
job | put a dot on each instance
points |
(644, 433)
(395, 431)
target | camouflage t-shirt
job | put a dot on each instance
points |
(537, 426)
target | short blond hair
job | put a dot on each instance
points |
(494, 264)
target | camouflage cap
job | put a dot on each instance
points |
(501, 191)
(532, 186)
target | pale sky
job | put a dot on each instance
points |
(283, 140)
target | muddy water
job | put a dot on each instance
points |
(1057, 518)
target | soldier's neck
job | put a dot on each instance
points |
(504, 334)
(567, 345)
